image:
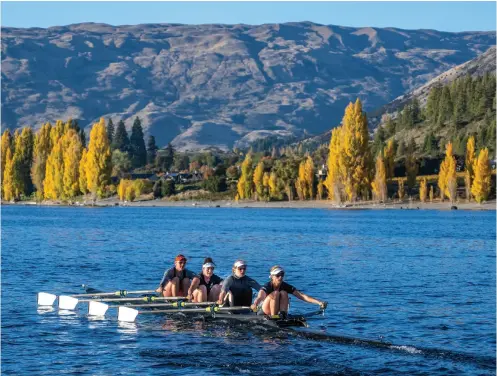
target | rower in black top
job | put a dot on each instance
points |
(275, 294)
(206, 286)
(238, 287)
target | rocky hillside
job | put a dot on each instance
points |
(218, 85)
(484, 63)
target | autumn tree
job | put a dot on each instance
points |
(42, 149)
(8, 175)
(98, 160)
(389, 159)
(259, 180)
(244, 186)
(333, 182)
(6, 144)
(83, 183)
(481, 183)
(447, 177)
(469, 164)
(300, 184)
(22, 161)
(431, 193)
(400, 190)
(274, 190)
(379, 185)
(53, 185)
(423, 190)
(72, 150)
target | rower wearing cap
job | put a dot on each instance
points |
(238, 287)
(206, 285)
(275, 294)
(176, 280)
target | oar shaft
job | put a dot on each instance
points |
(143, 299)
(116, 293)
(166, 305)
(197, 310)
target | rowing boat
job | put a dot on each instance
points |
(150, 304)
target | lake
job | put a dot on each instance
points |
(409, 291)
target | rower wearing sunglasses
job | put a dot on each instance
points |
(206, 285)
(237, 288)
(274, 294)
(176, 281)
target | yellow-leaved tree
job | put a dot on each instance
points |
(309, 175)
(431, 193)
(265, 184)
(469, 162)
(401, 191)
(274, 191)
(244, 186)
(83, 183)
(98, 160)
(481, 183)
(6, 144)
(53, 185)
(22, 160)
(423, 190)
(300, 183)
(259, 180)
(333, 181)
(42, 149)
(389, 158)
(447, 178)
(71, 157)
(8, 188)
(349, 159)
(379, 185)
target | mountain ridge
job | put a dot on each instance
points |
(217, 85)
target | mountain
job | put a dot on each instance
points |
(218, 85)
(484, 63)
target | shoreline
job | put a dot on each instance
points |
(311, 204)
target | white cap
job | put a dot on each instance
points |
(239, 263)
(209, 265)
(276, 271)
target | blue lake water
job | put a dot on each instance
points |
(409, 291)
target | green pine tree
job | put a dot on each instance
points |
(137, 145)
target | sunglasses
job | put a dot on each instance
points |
(280, 275)
(242, 268)
(182, 262)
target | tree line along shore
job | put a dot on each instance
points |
(56, 164)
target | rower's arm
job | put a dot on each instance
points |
(194, 285)
(308, 299)
(260, 297)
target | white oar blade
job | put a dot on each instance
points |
(46, 299)
(127, 314)
(97, 309)
(67, 302)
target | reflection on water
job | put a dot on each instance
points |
(409, 292)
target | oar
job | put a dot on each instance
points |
(46, 299)
(129, 314)
(95, 308)
(69, 302)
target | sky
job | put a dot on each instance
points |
(442, 16)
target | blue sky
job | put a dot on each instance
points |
(444, 16)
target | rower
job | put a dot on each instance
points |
(274, 294)
(206, 286)
(176, 281)
(237, 288)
